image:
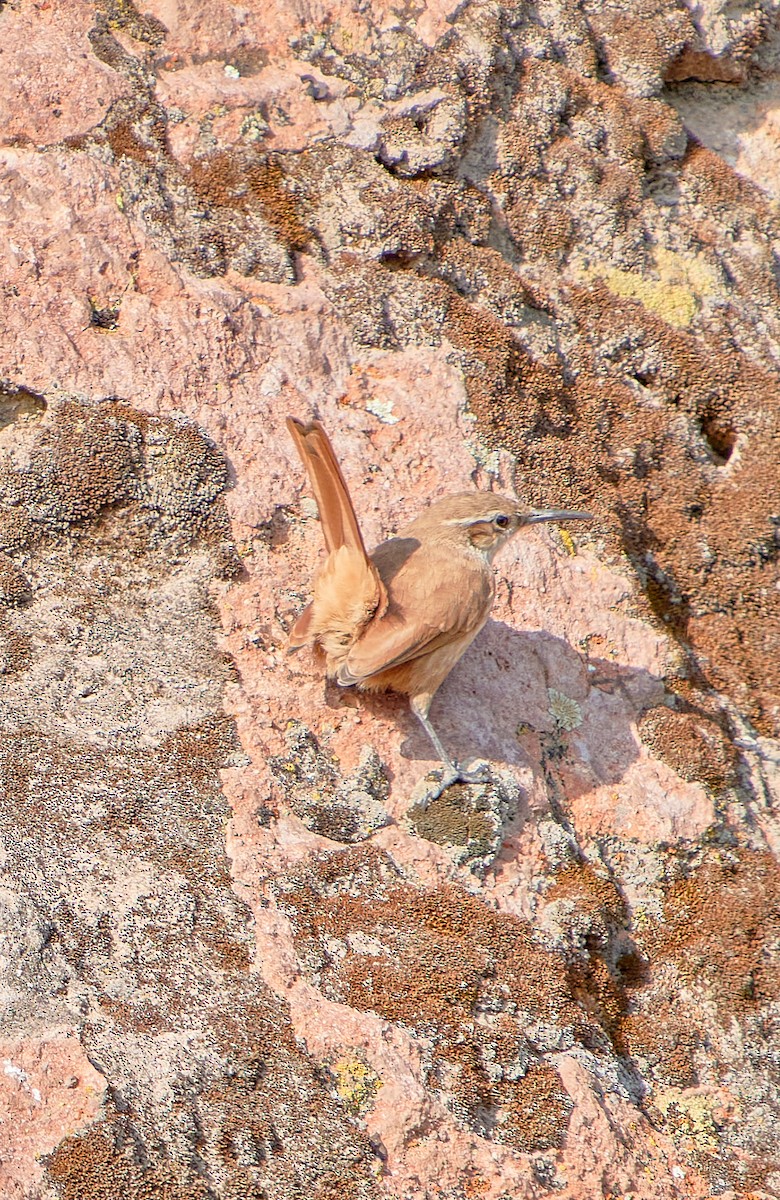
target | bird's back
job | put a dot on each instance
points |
(439, 597)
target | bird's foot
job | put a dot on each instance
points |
(480, 773)
(454, 773)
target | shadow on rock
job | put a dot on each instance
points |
(531, 699)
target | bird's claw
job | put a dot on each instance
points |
(480, 774)
(455, 774)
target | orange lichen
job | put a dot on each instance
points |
(693, 744)
(721, 925)
(228, 180)
(538, 1112)
(596, 976)
(434, 961)
(93, 1166)
(15, 587)
(714, 970)
(718, 939)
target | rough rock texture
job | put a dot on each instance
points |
(520, 245)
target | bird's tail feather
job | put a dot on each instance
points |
(339, 522)
(348, 590)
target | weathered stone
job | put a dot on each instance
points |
(487, 243)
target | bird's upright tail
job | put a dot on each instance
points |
(339, 522)
(348, 590)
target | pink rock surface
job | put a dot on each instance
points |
(52, 86)
(606, 822)
(48, 1090)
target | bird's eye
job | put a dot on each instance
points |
(502, 520)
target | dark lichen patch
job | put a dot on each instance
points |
(123, 14)
(81, 462)
(223, 212)
(468, 819)
(450, 818)
(15, 587)
(345, 809)
(136, 131)
(88, 459)
(477, 984)
(16, 650)
(165, 812)
(191, 750)
(224, 209)
(497, 367)
(17, 529)
(104, 316)
(232, 181)
(693, 744)
(595, 897)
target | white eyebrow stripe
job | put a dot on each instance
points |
(473, 520)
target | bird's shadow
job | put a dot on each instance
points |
(530, 699)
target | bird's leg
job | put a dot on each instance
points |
(453, 773)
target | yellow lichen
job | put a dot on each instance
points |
(689, 1115)
(356, 1083)
(683, 282)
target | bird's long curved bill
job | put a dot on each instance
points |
(556, 514)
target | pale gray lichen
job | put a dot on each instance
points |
(565, 712)
(383, 410)
(344, 808)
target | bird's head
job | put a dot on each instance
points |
(486, 520)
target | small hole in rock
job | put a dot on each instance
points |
(720, 439)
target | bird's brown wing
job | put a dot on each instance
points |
(437, 597)
(389, 648)
(339, 522)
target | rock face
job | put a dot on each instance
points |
(494, 244)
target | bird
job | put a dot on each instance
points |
(401, 617)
